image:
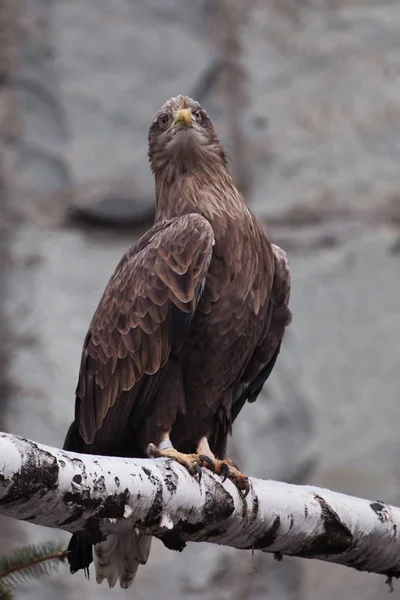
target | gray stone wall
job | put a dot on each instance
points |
(304, 95)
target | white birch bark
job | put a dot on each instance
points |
(98, 496)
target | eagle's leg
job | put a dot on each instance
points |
(225, 468)
(165, 449)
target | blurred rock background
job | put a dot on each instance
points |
(304, 93)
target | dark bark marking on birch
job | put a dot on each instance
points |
(379, 509)
(82, 500)
(152, 478)
(5, 480)
(269, 537)
(359, 563)
(291, 522)
(38, 475)
(216, 532)
(173, 540)
(76, 514)
(254, 510)
(153, 516)
(79, 461)
(336, 537)
(171, 481)
(219, 504)
(99, 485)
(113, 506)
(218, 507)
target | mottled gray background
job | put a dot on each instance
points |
(305, 94)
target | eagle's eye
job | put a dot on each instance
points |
(163, 120)
(197, 116)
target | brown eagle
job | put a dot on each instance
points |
(188, 329)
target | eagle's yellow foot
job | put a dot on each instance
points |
(204, 457)
(189, 461)
(227, 470)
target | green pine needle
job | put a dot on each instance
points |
(30, 562)
(6, 593)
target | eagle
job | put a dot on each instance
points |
(187, 331)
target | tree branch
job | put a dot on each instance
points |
(97, 496)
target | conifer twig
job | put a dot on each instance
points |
(31, 562)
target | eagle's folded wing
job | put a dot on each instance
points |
(266, 353)
(142, 319)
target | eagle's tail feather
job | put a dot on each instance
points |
(79, 555)
(119, 557)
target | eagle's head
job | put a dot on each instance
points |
(182, 138)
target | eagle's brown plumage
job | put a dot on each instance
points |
(190, 324)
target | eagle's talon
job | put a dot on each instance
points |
(203, 458)
(246, 489)
(230, 463)
(225, 471)
(198, 471)
(228, 470)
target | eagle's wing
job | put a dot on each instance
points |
(266, 353)
(142, 319)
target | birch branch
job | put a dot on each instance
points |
(97, 496)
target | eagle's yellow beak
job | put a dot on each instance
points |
(182, 118)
